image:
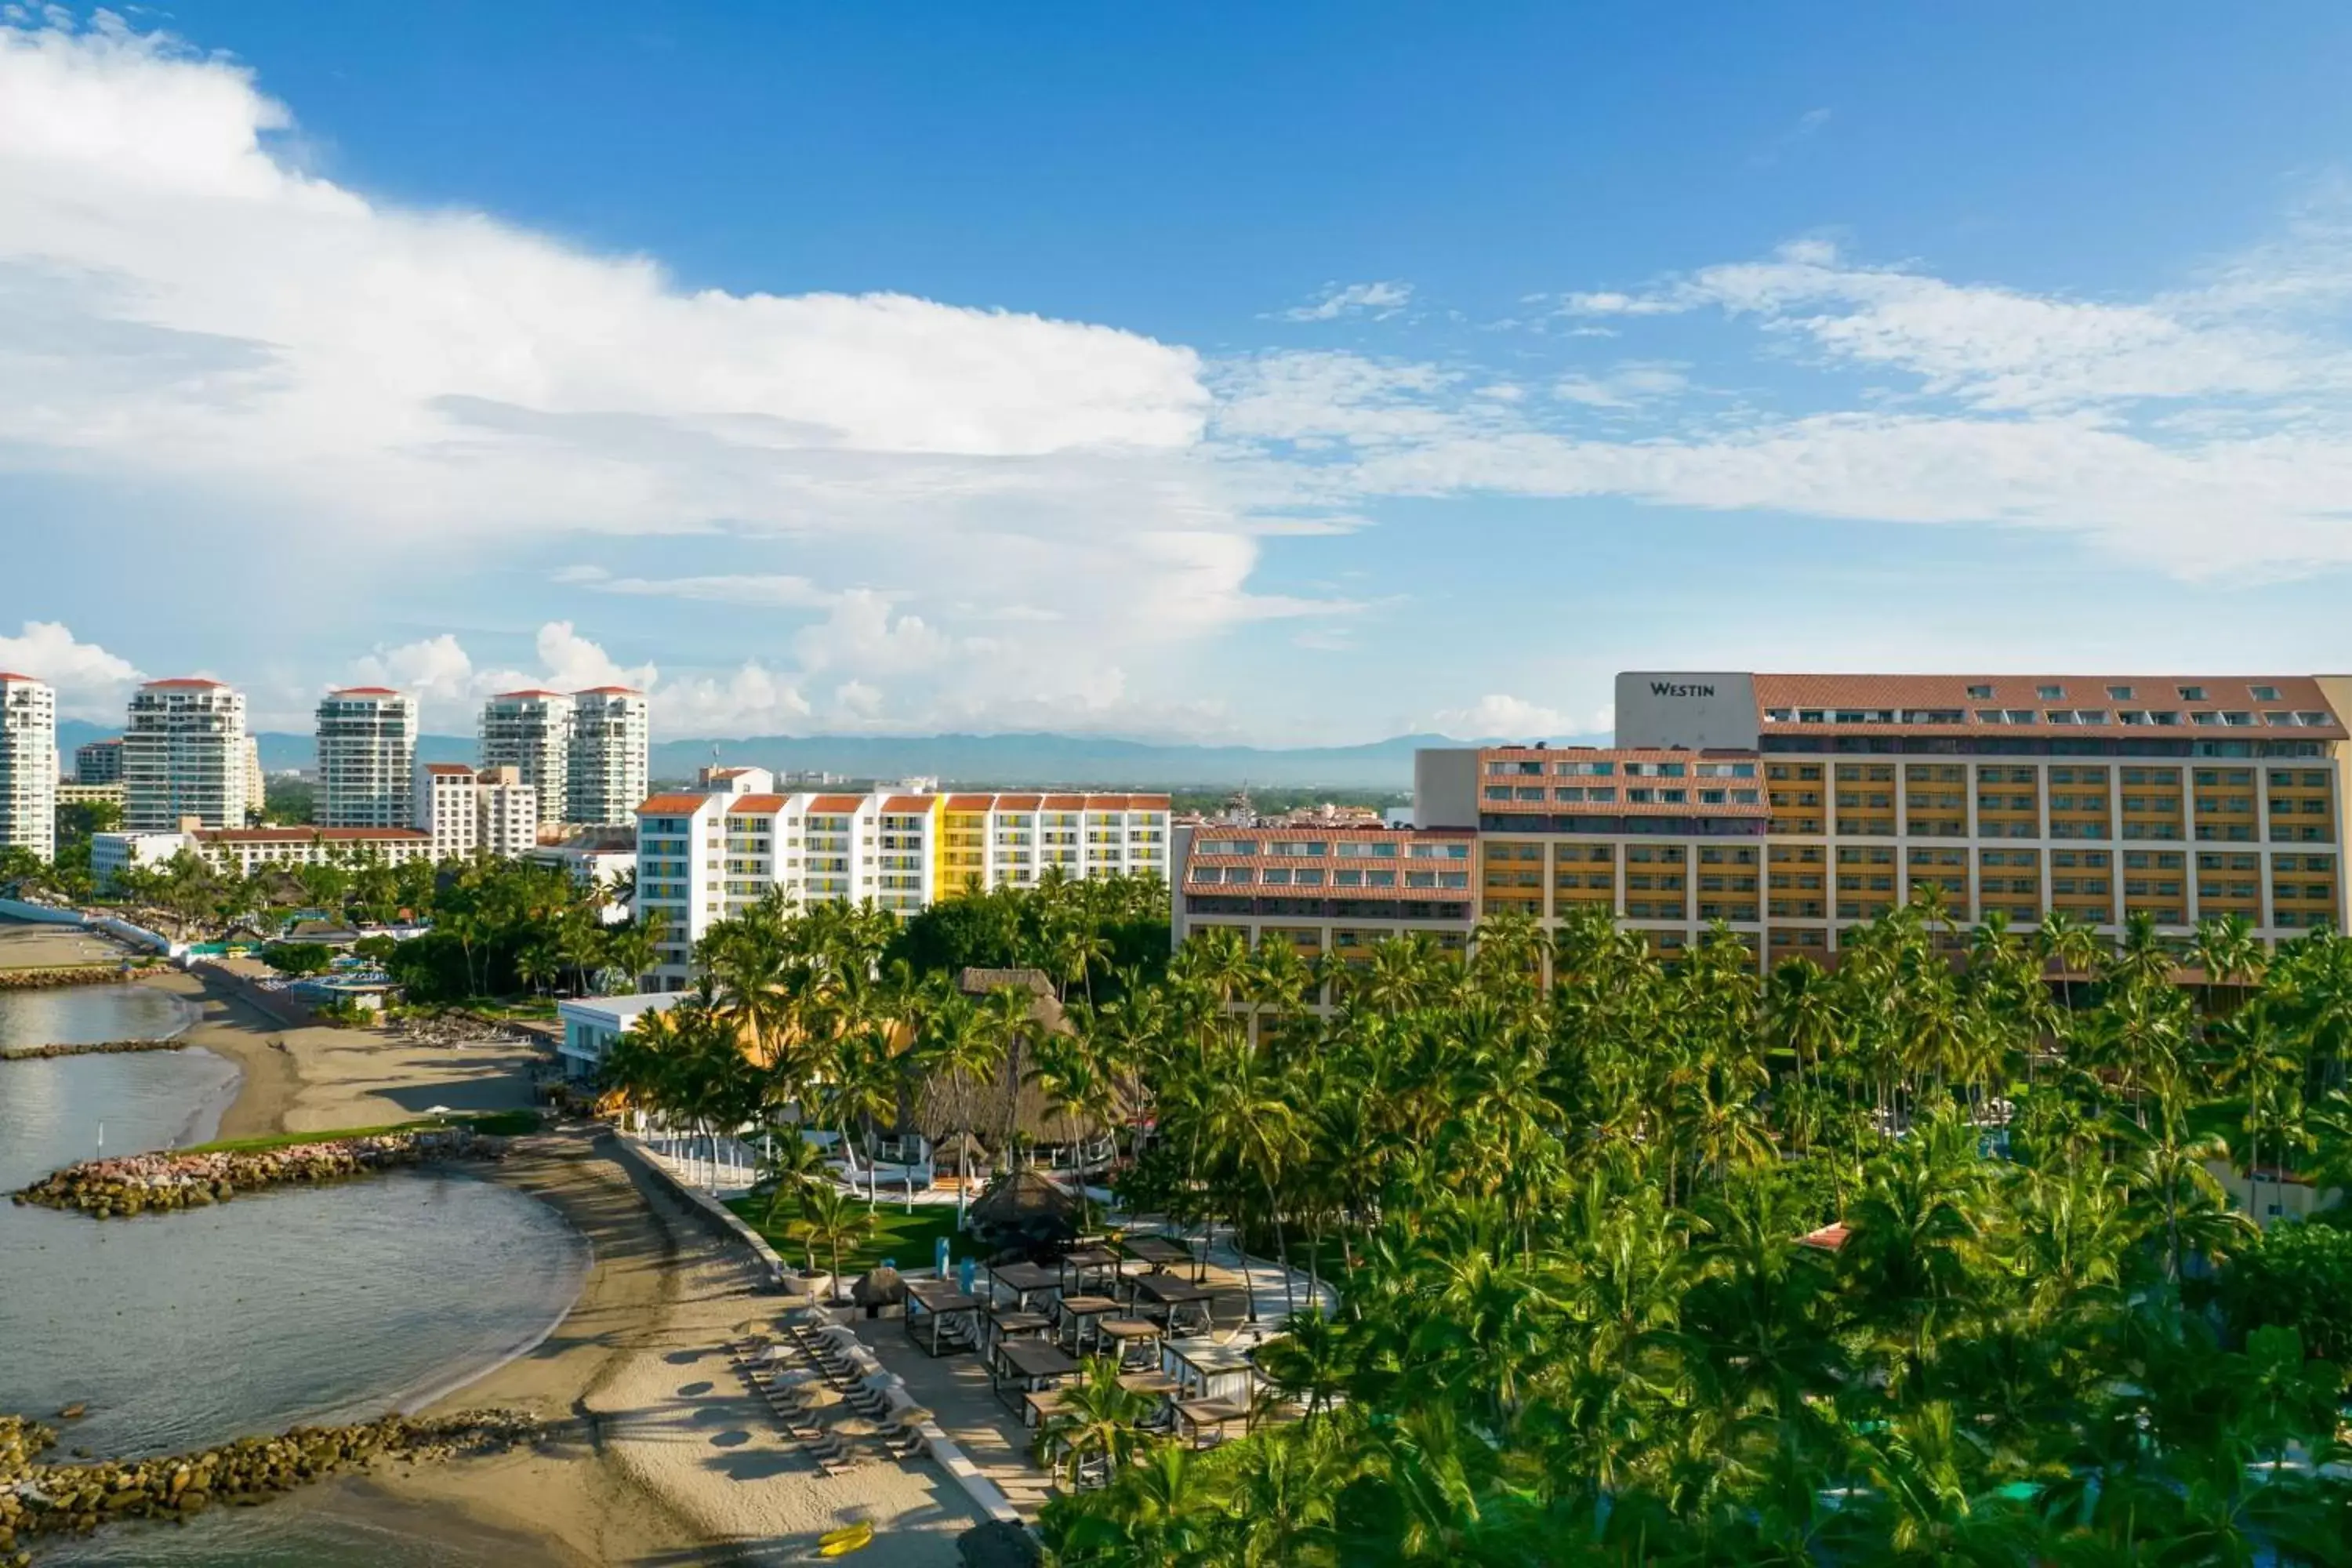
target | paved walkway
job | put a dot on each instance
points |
(954, 1389)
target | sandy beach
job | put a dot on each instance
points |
(661, 1455)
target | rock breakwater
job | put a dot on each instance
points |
(90, 1048)
(141, 1183)
(39, 1498)
(47, 979)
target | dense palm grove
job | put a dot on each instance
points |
(1926, 1260)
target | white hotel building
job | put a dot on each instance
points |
(705, 856)
(184, 754)
(28, 766)
(531, 731)
(367, 754)
(611, 756)
(466, 811)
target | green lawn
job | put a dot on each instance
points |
(491, 1124)
(905, 1239)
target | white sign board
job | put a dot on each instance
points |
(1686, 708)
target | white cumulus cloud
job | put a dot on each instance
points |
(90, 683)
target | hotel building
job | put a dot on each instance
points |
(611, 756)
(367, 758)
(1792, 806)
(466, 811)
(28, 766)
(707, 854)
(531, 731)
(98, 763)
(242, 851)
(184, 754)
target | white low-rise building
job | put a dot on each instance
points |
(592, 1025)
(111, 852)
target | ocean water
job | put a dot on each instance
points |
(304, 1305)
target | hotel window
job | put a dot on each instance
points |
(1777, 715)
(2190, 693)
(1810, 716)
(1981, 693)
(2021, 715)
(2264, 693)
(2312, 720)
(2204, 716)
(2120, 693)
(1308, 877)
(2131, 716)
(1437, 851)
(1988, 716)
(2050, 693)
(2089, 715)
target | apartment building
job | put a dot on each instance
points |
(466, 811)
(705, 855)
(367, 758)
(611, 755)
(242, 851)
(184, 754)
(28, 766)
(1336, 890)
(531, 731)
(1792, 806)
(98, 763)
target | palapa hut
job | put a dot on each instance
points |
(1008, 1102)
(1027, 1208)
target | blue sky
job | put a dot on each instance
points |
(1292, 375)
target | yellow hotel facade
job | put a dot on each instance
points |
(1792, 807)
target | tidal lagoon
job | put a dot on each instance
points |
(325, 1304)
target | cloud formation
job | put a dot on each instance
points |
(1378, 300)
(90, 683)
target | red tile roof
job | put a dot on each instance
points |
(1017, 802)
(180, 680)
(970, 802)
(364, 691)
(446, 769)
(1829, 1238)
(534, 691)
(608, 691)
(1063, 803)
(834, 804)
(308, 835)
(755, 805)
(11, 675)
(672, 804)
(902, 804)
(1905, 694)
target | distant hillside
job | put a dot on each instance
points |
(1051, 759)
(1030, 759)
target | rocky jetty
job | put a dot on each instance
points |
(143, 1183)
(46, 979)
(37, 1498)
(90, 1048)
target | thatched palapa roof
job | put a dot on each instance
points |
(1025, 1200)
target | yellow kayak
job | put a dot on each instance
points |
(849, 1538)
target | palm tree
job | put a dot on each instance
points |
(830, 1218)
(959, 1048)
(1096, 1421)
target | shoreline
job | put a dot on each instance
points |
(655, 1451)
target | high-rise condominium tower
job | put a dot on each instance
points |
(610, 756)
(367, 758)
(98, 763)
(184, 754)
(531, 731)
(28, 766)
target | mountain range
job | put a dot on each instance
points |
(1042, 758)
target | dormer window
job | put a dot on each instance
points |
(2119, 693)
(1981, 693)
(2190, 693)
(2051, 693)
(2264, 693)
